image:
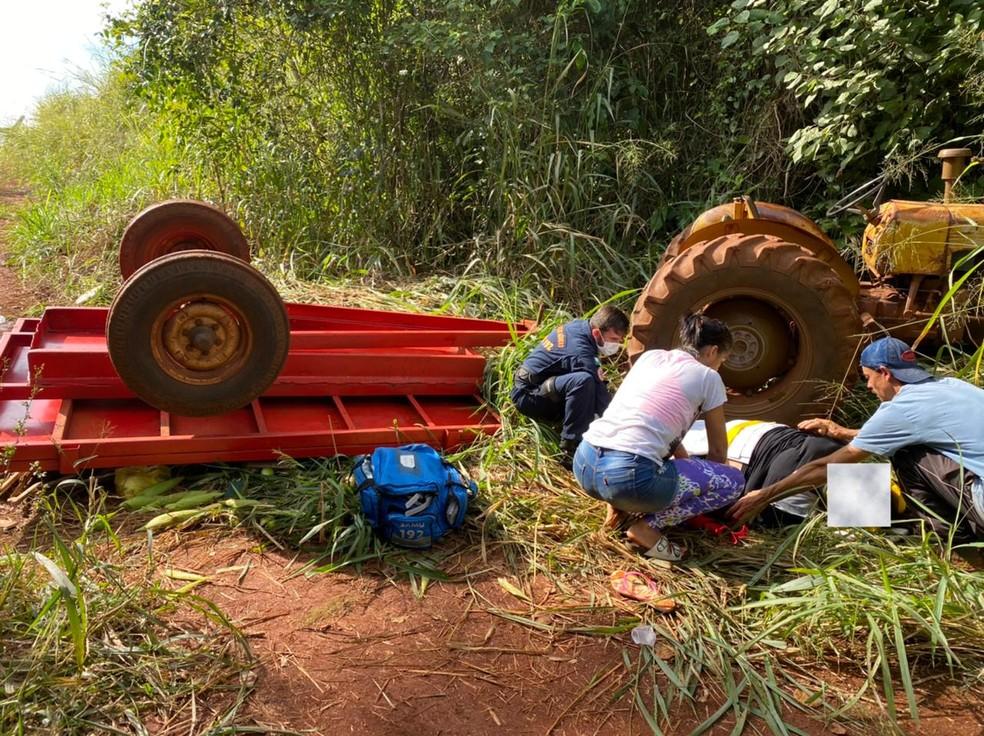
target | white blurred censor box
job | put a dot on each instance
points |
(859, 495)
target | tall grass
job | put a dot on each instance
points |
(532, 190)
(90, 159)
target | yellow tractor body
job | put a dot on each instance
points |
(925, 238)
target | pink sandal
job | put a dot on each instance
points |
(642, 588)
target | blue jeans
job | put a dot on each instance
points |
(627, 481)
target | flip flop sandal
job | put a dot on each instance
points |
(641, 588)
(666, 550)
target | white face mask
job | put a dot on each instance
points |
(610, 348)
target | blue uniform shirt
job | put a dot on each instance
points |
(567, 349)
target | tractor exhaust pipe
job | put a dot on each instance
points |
(954, 162)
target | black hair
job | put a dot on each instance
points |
(610, 318)
(698, 331)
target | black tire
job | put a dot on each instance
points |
(179, 225)
(154, 337)
(796, 324)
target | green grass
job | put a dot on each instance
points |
(758, 625)
(757, 629)
(90, 161)
(92, 644)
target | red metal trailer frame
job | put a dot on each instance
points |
(354, 380)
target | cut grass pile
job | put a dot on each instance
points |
(804, 619)
(846, 627)
(764, 623)
(837, 626)
(849, 628)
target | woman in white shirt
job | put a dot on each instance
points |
(632, 456)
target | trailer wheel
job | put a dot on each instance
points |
(795, 324)
(179, 225)
(198, 333)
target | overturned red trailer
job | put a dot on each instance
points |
(198, 360)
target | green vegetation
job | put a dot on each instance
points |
(532, 141)
(92, 159)
(761, 627)
(881, 78)
(92, 644)
(488, 158)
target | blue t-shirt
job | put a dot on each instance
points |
(946, 414)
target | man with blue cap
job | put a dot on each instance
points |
(932, 429)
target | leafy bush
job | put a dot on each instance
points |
(559, 143)
(874, 78)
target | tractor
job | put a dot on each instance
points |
(797, 309)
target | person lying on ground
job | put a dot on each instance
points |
(632, 457)
(931, 429)
(767, 452)
(562, 379)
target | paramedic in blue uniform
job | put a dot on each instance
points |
(562, 379)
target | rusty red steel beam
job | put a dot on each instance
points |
(87, 373)
(366, 327)
(75, 434)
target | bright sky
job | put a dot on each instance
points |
(43, 43)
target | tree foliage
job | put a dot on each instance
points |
(873, 77)
(546, 138)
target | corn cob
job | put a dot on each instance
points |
(192, 500)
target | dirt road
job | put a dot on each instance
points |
(15, 297)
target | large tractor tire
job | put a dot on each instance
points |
(197, 333)
(795, 323)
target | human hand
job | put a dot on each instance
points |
(749, 506)
(820, 427)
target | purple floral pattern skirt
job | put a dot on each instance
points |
(702, 486)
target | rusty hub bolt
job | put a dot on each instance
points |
(201, 336)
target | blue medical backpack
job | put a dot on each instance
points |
(411, 495)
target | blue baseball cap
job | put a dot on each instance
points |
(897, 357)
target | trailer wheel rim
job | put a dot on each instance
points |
(201, 339)
(198, 333)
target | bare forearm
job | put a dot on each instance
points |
(811, 475)
(717, 435)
